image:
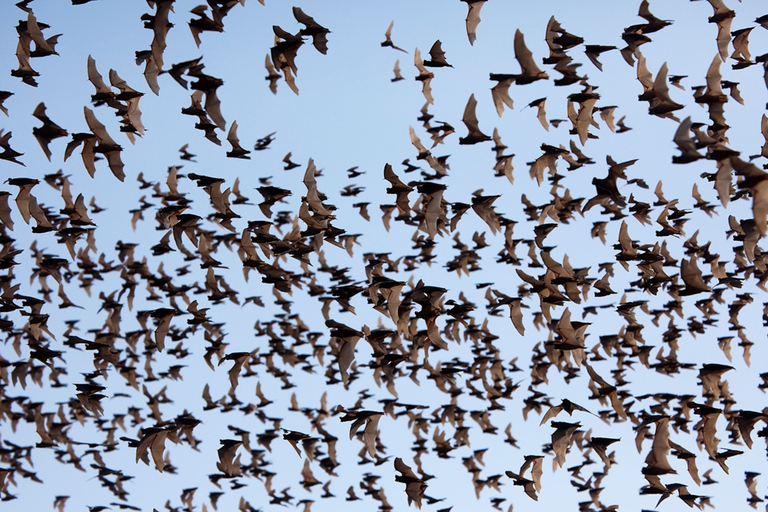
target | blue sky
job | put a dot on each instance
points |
(349, 113)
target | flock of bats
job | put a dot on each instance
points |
(305, 256)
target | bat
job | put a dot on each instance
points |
(473, 18)
(474, 134)
(313, 29)
(396, 71)
(8, 153)
(272, 75)
(237, 150)
(437, 56)
(106, 144)
(593, 52)
(388, 38)
(530, 71)
(500, 92)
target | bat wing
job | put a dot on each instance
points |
(213, 108)
(37, 35)
(160, 27)
(500, 93)
(470, 121)
(724, 37)
(96, 79)
(290, 80)
(437, 54)
(346, 356)
(313, 196)
(232, 135)
(685, 142)
(662, 103)
(760, 206)
(584, 119)
(524, 56)
(542, 114)
(416, 142)
(371, 432)
(304, 18)
(516, 315)
(396, 70)
(98, 129)
(407, 472)
(320, 41)
(87, 153)
(692, 276)
(470, 116)
(714, 79)
(151, 71)
(473, 19)
(643, 75)
(419, 63)
(272, 75)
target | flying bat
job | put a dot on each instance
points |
(470, 121)
(396, 71)
(313, 29)
(8, 152)
(106, 144)
(437, 56)
(237, 150)
(530, 71)
(388, 38)
(473, 18)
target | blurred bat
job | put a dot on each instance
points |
(470, 121)
(473, 18)
(388, 41)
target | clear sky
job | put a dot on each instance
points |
(348, 113)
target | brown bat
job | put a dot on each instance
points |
(4, 95)
(153, 439)
(106, 144)
(229, 464)
(425, 76)
(104, 94)
(414, 486)
(530, 72)
(473, 18)
(43, 46)
(685, 143)
(317, 32)
(388, 39)
(528, 485)
(163, 317)
(396, 71)
(160, 26)
(713, 92)
(151, 70)
(500, 91)
(130, 113)
(470, 121)
(203, 23)
(561, 438)
(272, 75)
(756, 180)
(371, 431)
(25, 71)
(437, 56)
(723, 16)
(237, 150)
(8, 153)
(593, 51)
(662, 105)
